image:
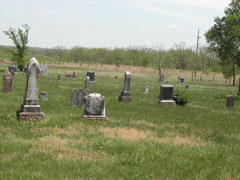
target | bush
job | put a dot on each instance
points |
(181, 97)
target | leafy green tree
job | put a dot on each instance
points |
(20, 39)
(224, 39)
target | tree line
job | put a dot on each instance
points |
(178, 57)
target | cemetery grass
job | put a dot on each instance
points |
(140, 140)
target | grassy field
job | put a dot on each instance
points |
(140, 140)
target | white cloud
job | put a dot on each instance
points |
(176, 14)
(215, 4)
(174, 26)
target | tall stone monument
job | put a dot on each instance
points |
(87, 82)
(166, 95)
(238, 93)
(125, 94)
(30, 109)
(7, 82)
(94, 107)
(59, 77)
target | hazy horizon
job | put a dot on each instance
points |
(110, 23)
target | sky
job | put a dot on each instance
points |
(110, 23)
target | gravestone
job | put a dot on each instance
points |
(68, 75)
(125, 93)
(238, 93)
(115, 77)
(73, 76)
(146, 90)
(180, 80)
(187, 86)
(74, 97)
(87, 82)
(161, 78)
(30, 109)
(12, 69)
(91, 76)
(43, 70)
(25, 70)
(94, 106)
(81, 95)
(230, 101)
(59, 77)
(43, 96)
(166, 95)
(77, 98)
(7, 82)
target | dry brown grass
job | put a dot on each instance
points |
(227, 177)
(63, 149)
(8, 157)
(135, 135)
(129, 134)
(56, 131)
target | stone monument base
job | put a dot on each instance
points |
(170, 102)
(30, 116)
(97, 117)
(125, 99)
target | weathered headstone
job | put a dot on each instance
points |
(125, 93)
(81, 95)
(59, 77)
(87, 82)
(68, 75)
(94, 107)
(74, 97)
(115, 77)
(73, 76)
(230, 101)
(238, 93)
(91, 76)
(180, 80)
(166, 95)
(25, 70)
(187, 86)
(30, 109)
(12, 69)
(161, 78)
(43, 70)
(7, 82)
(43, 96)
(146, 90)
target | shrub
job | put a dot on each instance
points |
(181, 97)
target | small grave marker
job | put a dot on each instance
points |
(7, 82)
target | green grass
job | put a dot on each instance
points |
(140, 140)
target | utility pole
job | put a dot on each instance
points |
(196, 61)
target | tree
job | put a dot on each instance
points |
(181, 55)
(20, 39)
(224, 39)
(159, 51)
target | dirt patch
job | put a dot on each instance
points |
(62, 149)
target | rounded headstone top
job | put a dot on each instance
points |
(94, 95)
(128, 73)
(32, 61)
